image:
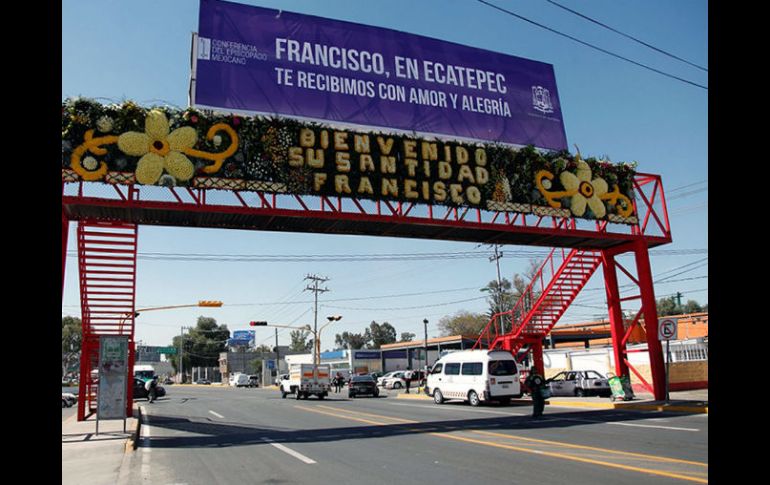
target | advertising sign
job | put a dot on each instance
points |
(257, 60)
(243, 337)
(113, 374)
(367, 355)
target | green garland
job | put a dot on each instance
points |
(242, 150)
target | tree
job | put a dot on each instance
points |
(500, 297)
(505, 296)
(378, 335)
(407, 337)
(669, 306)
(202, 345)
(71, 343)
(263, 348)
(348, 340)
(299, 342)
(463, 323)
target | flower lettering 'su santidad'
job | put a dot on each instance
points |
(588, 192)
(159, 149)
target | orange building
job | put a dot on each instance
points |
(690, 326)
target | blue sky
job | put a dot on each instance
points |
(140, 50)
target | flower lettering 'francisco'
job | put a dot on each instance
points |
(159, 150)
(588, 191)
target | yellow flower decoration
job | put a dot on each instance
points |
(587, 192)
(159, 149)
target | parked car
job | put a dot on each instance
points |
(68, 399)
(376, 375)
(253, 381)
(168, 381)
(204, 382)
(397, 381)
(579, 383)
(381, 379)
(140, 392)
(475, 376)
(280, 377)
(365, 384)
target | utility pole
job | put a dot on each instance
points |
(425, 343)
(181, 360)
(678, 299)
(496, 259)
(315, 289)
(277, 355)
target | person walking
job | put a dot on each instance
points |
(536, 385)
(408, 378)
(152, 389)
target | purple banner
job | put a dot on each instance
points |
(258, 60)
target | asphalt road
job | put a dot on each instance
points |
(215, 435)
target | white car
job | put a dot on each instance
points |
(394, 381)
(381, 379)
(68, 399)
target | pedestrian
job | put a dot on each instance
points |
(408, 378)
(536, 385)
(338, 382)
(152, 389)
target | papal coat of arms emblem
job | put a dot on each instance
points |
(541, 99)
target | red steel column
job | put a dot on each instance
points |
(537, 357)
(647, 291)
(617, 329)
(65, 231)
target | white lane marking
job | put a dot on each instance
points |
(551, 419)
(217, 414)
(146, 449)
(672, 428)
(451, 408)
(289, 451)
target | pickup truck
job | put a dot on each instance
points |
(305, 380)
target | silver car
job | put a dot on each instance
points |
(579, 383)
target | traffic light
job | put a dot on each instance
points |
(258, 324)
(209, 303)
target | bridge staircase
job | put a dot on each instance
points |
(553, 288)
(107, 267)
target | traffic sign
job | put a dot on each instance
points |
(167, 350)
(667, 328)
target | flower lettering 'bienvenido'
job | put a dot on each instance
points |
(588, 191)
(159, 149)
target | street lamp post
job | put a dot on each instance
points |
(333, 318)
(425, 344)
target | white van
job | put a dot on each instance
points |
(239, 380)
(475, 376)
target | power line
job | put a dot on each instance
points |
(591, 45)
(626, 35)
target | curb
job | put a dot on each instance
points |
(133, 442)
(625, 406)
(595, 405)
(414, 396)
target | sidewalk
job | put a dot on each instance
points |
(91, 459)
(681, 401)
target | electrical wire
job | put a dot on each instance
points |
(605, 51)
(626, 35)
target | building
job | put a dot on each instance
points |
(597, 334)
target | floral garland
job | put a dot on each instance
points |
(125, 143)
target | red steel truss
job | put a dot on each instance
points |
(107, 264)
(124, 207)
